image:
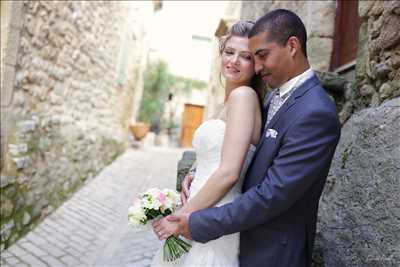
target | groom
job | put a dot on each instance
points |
(276, 214)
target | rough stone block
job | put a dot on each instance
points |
(386, 90)
(16, 14)
(6, 229)
(389, 34)
(6, 180)
(320, 19)
(364, 7)
(27, 126)
(377, 8)
(6, 207)
(11, 47)
(17, 150)
(332, 81)
(7, 84)
(360, 203)
(319, 51)
(367, 90)
(382, 70)
(188, 158)
(26, 219)
(21, 162)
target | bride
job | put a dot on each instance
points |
(224, 146)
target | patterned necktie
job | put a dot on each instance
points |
(276, 103)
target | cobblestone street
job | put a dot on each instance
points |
(91, 228)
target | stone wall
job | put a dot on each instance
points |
(359, 214)
(317, 16)
(70, 87)
(378, 58)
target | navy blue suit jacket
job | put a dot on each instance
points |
(277, 212)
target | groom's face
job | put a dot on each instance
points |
(272, 61)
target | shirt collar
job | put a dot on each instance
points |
(295, 82)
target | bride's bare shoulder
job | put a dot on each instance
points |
(242, 93)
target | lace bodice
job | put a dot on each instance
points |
(207, 142)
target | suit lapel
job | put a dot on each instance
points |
(266, 105)
(308, 84)
(268, 100)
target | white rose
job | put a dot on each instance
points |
(169, 204)
(150, 202)
(136, 215)
(173, 196)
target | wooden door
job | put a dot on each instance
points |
(191, 120)
(347, 25)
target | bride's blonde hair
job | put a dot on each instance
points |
(242, 28)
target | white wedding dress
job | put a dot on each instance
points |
(224, 251)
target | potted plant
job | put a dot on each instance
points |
(139, 130)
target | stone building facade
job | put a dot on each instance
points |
(70, 85)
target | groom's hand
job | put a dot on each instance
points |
(182, 221)
(187, 181)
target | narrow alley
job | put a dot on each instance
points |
(91, 228)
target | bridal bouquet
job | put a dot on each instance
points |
(155, 203)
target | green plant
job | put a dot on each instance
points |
(157, 81)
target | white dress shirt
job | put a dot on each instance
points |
(288, 87)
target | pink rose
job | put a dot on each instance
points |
(161, 197)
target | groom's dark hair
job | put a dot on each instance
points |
(281, 24)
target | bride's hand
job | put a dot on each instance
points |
(186, 183)
(164, 228)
